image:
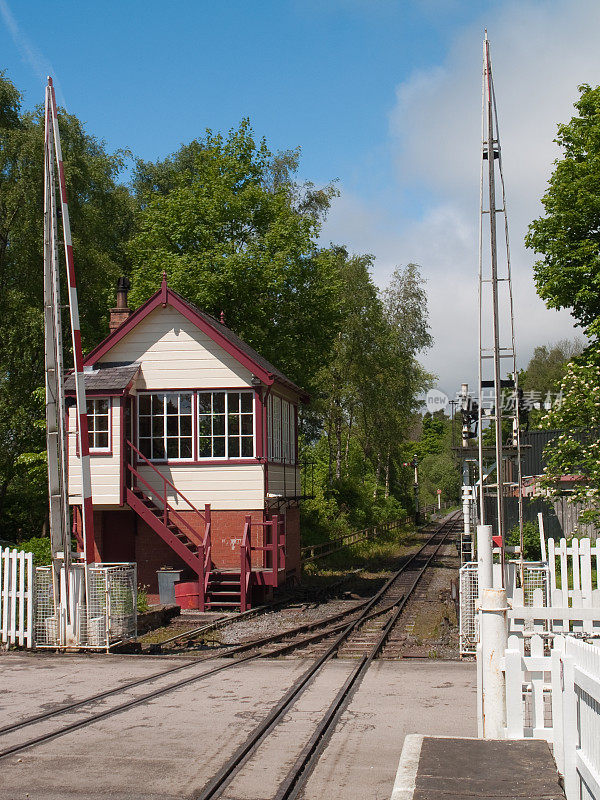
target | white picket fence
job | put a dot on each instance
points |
(555, 695)
(16, 597)
(561, 593)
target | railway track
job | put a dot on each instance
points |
(367, 624)
(367, 633)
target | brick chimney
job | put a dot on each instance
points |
(122, 312)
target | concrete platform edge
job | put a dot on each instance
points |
(406, 776)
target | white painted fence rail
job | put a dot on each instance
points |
(577, 726)
(16, 597)
(555, 695)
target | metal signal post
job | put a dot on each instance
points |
(496, 341)
(56, 423)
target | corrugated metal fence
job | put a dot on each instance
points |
(560, 519)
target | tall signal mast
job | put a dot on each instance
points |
(56, 424)
(497, 353)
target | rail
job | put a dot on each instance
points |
(365, 610)
(246, 564)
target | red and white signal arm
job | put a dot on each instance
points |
(439, 491)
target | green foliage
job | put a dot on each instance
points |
(437, 466)
(568, 235)
(531, 540)
(541, 380)
(234, 232)
(568, 455)
(40, 547)
(548, 365)
(439, 471)
(142, 599)
(369, 387)
(101, 216)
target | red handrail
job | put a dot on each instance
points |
(246, 564)
(166, 481)
(276, 547)
(169, 511)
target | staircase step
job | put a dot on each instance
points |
(223, 583)
(220, 604)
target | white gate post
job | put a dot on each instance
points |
(558, 680)
(570, 735)
(484, 558)
(494, 634)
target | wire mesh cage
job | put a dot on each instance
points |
(535, 576)
(535, 592)
(95, 617)
(468, 622)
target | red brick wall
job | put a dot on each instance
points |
(292, 530)
(227, 529)
(123, 536)
(152, 553)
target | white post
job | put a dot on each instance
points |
(484, 558)
(542, 536)
(570, 735)
(558, 744)
(466, 509)
(494, 641)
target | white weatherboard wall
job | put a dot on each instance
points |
(175, 354)
(105, 467)
(227, 487)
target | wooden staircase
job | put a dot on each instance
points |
(218, 590)
(152, 505)
(223, 591)
(186, 548)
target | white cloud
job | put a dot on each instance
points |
(30, 54)
(541, 52)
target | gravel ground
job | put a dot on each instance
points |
(432, 626)
(277, 621)
(432, 630)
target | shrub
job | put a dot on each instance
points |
(142, 599)
(40, 547)
(531, 540)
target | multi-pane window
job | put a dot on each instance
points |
(291, 456)
(98, 413)
(270, 428)
(165, 425)
(285, 428)
(277, 428)
(225, 425)
(281, 430)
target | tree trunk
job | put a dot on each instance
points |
(347, 451)
(3, 490)
(377, 475)
(387, 476)
(329, 461)
(338, 442)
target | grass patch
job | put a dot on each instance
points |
(376, 558)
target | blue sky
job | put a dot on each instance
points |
(150, 75)
(383, 96)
